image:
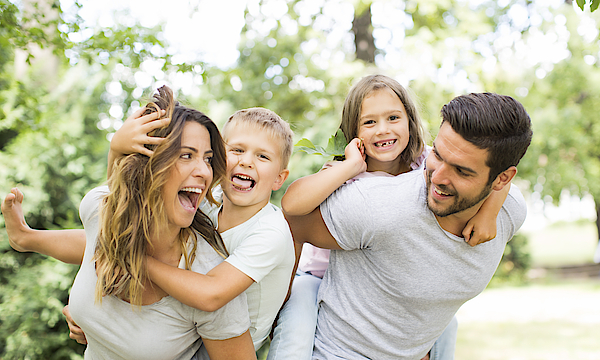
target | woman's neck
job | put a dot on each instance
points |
(166, 247)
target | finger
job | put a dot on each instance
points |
(156, 124)
(18, 194)
(143, 150)
(138, 113)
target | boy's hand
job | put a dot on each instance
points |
(133, 135)
(14, 221)
(479, 229)
(75, 331)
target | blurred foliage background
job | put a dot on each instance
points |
(65, 87)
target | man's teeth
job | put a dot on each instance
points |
(192, 189)
(385, 143)
(437, 191)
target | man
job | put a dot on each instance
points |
(401, 269)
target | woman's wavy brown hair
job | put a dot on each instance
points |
(133, 211)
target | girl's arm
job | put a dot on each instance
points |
(65, 245)
(204, 292)
(237, 348)
(307, 193)
(482, 227)
(133, 135)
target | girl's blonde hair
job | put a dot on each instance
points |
(133, 211)
(353, 105)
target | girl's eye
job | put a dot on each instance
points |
(394, 117)
(368, 122)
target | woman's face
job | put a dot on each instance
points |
(190, 178)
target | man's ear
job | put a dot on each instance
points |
(283, 175)
(504, 178)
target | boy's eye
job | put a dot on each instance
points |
(236, 150)
(264, 157)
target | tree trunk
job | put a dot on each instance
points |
(598, 219)
(363, 35)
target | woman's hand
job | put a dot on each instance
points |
(133, 135)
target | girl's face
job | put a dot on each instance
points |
(383, 126)
(190, 178)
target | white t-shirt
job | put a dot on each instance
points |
(262, 248)
(166, 329)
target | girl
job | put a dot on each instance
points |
(384, 131)
(151, 209)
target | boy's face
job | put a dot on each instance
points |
(253, 166)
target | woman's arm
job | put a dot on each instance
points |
(482, 227)
(237, 348)
(207, 292)
(305, 194)
(133, 135)
(65, 245)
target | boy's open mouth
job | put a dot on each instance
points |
(384, 143)
(242, 182)
(189, 196)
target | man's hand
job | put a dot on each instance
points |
(75, 331)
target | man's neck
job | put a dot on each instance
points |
(456, 223)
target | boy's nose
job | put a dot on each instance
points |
(245, 159)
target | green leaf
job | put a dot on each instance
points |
(581, 3)
(335, 146)
(594, 5)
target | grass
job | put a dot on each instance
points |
(548, 319)
(563, 244)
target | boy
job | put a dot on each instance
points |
(259, 145)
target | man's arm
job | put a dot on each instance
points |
(65, 245)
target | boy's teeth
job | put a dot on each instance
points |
(243, 181)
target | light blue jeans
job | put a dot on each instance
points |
(294, 335)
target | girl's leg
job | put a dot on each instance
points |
(443, 349)
(294, 335)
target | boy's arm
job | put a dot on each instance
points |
(207, 292)
(237, 348)
(133, 135)
(305, 194)
(65, 245)
(482, 227)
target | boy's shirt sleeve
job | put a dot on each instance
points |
(263, 248)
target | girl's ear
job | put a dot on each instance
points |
(283, 175)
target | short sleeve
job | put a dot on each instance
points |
(264, 248)
(88, 208)
(514, 212)
(230, 321)
(344, 214)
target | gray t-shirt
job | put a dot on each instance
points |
(166, 329)
(400, 278)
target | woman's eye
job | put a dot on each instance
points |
(186, 156)
(208, 160)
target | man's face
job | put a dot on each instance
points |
(457, 176)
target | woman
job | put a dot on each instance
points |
(151, 209)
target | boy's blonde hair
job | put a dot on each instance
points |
(265, 120)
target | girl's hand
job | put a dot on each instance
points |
(133, 135)
(479, 229)
(355, 154)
